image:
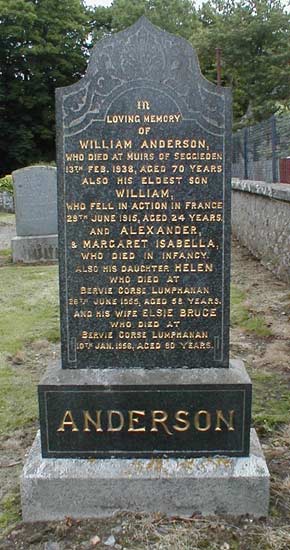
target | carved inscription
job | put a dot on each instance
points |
(180, 421)
(144, 235)
(202, 421)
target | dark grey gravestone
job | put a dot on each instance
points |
(143, 144)
(144, 217)
(144, 207)
(35, 193)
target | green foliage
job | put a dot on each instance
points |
(100, 23)
(6, 184)
(271, 400)
(175, 16)
(255, 51)
(42, 46)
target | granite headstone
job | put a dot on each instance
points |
(143, 145)
(35, 200)
(144, 254)
(144, 208)
(35, 191)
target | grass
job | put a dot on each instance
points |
(18, 401)
(5, 252)
(11, 510)
(29, 306)
(245, 319)
(271, 396)
(7, 218)
(271, 402)
(29, 312)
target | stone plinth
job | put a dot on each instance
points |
(36, 215)
(42, 248)
(55, 488)
(145, 413)
(205, 471)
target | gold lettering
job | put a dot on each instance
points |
(68, 421)
(184, 421)
(229, 423)
(112, 428)
(207, 425)
(163, 416)
(133, 419)
(88, 420)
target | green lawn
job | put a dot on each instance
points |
(29, 312)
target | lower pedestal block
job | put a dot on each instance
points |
(41, 248)
(174, 441)
(55, 488)
(138, 413)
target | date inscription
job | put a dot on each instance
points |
(143, 214)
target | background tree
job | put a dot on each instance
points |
(42, 46)
(100, 23)
(254, 38)
(175, 16)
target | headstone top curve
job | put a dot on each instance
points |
(33, 166)
(35, 191)
(144, 23)
(142, 55)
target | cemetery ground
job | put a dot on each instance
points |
(29, 330)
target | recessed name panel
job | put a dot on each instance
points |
(145, 421)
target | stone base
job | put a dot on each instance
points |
(41, 248)
(55, 488)
(128, 402)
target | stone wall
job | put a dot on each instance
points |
(261, 222)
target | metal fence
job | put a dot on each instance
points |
(262, 152)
